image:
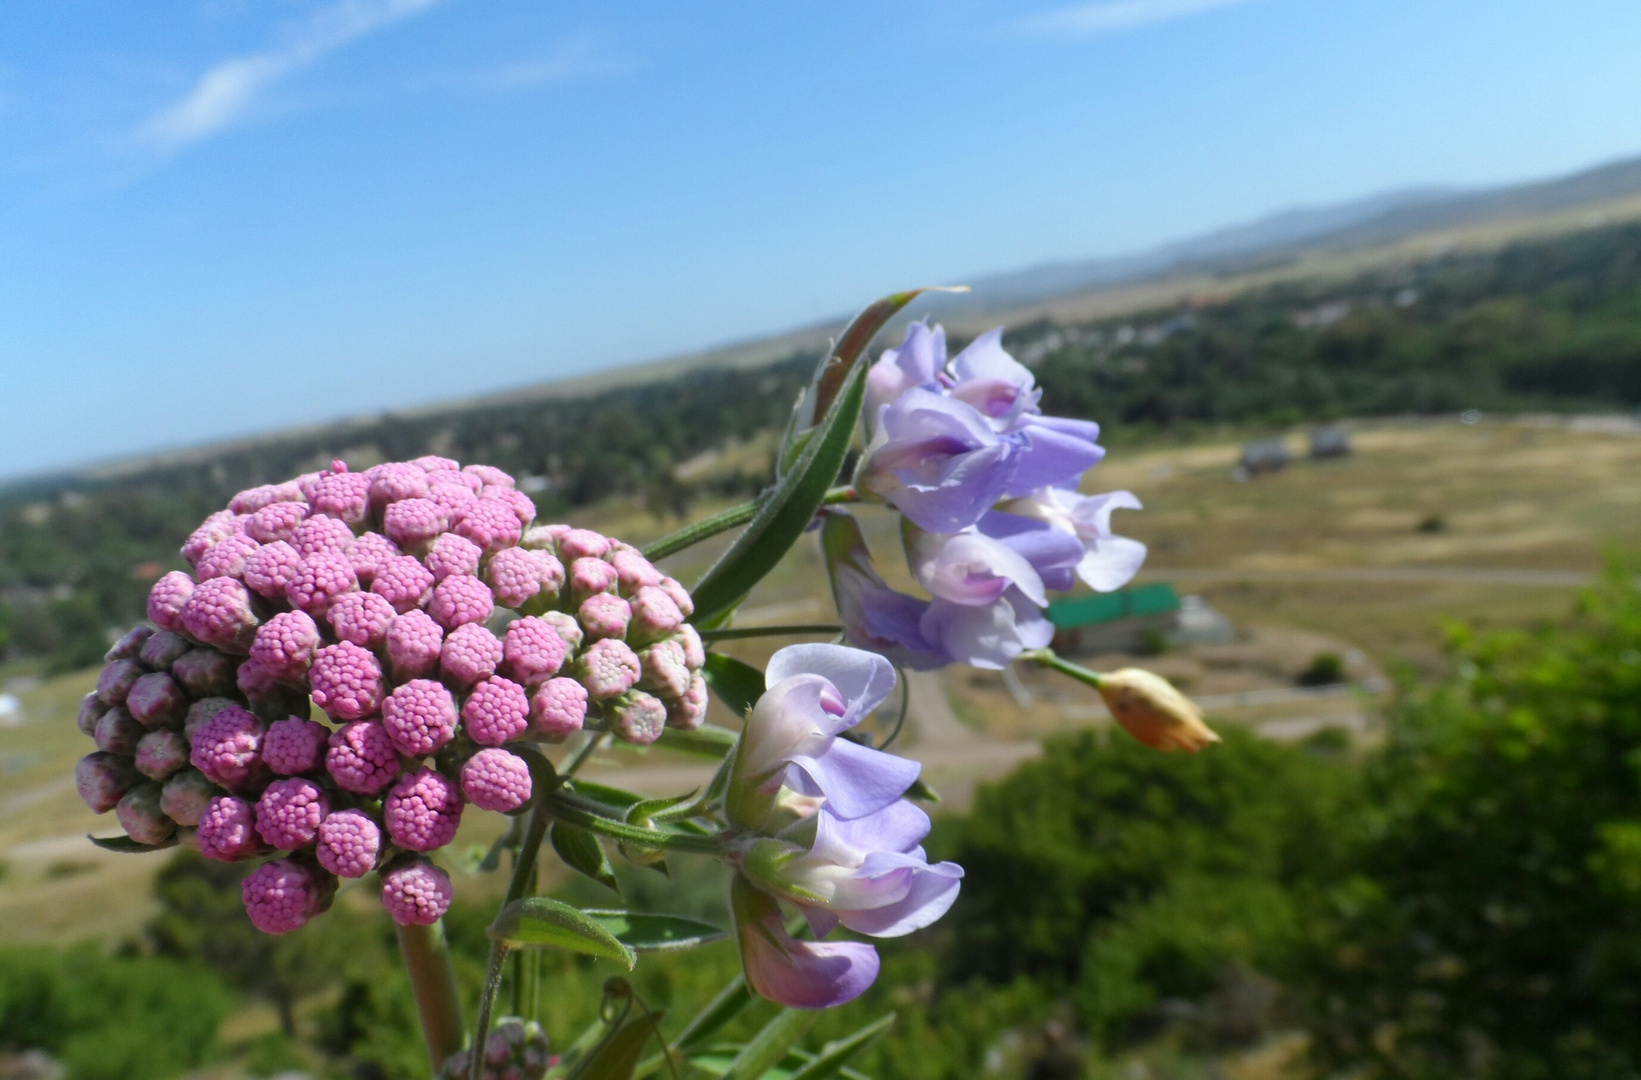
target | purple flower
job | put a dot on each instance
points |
(1107, 561)
(938, 461)
(918, 362)
(998, 386)
(797, 974)
(874, 616)
(815, 692)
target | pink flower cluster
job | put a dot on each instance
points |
(432, 623)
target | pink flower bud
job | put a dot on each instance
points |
(609, 668)
(566, 627)
(403, 582)
(543, 537)
(362, 618)
(227, 747)
(361, 758)
(161, 753)
(118, 733)
(116, 681)
(285, 644)
(687, 713)
(289, 812)
(489, 523)
(227, 830)
(348, 843)
(470, 653)
(323, 577)
(416, 893)
(203, 712)
(92, 708)
(414, 523)
(559, 709)
(369, 553)
(422, 810)
(519, 575)
(489, 476)
(435, 463)
(395, 482)
(638, 718)
(453, 554)
(420, 717)
(496, 780)
(454, 497)
(294, 745)
(665, 672)
(695, 654)
(276, 521)
(604, 616)
(680, 595)
(102, 779)
(140, 815)
(589, 577)
(130, 645)
(167, 598)
(219, 613)
(156, 699)
(226, 558)
(414, 642)
(282, 895)
(347, 681)
(219, 526)
(496, 711)
(270, 569)
(466, 481)
(186, 796)
(343, 495)
(517, 501)
(204, 673)
(583, 544)
(459, 600)
(532, 651)
(320, 534)
(654, 614)
(251, 500)
(633, 571)
(163, 649)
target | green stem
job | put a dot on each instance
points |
(433, 984)
(1051, 660)
(723, 521)
(524, 874)
(770, 631)
(573, 766)
(572, 811)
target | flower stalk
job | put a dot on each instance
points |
(426, 955)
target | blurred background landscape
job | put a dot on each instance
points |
(1389, 448)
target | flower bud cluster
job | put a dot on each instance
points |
(431, 622)
(517, 1049)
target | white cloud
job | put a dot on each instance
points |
(223, 93)
(1115, 16)
(576, 59)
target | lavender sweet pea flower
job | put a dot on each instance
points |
(814, 693)
(917, 362)
(797, 974)
(990, 636)
(939, 462)
(1108, 561)
(1055, 451)
(870, 874)
(874, 616)
(997, 385)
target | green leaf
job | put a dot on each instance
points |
(673, 837)
(617, 1056)
(618, 800)
(836, 1054)
(127, 846)
(770, 1045)
(708, 740)
(582, 853)
(540, 920)
(787, 513)
(737, 683)
(643, 932)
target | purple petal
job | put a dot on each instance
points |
(1051, 456)
(863, 679)
(932, 892)
(1086, 430)
(1111, 563)
(898, 827)
(971, 569)
(800, 974)
(990, 636)
(1053, 553)
(855, 779)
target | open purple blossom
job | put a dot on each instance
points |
(874, 616)
(1107, 561)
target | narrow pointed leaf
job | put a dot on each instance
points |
(542, 921)
(582, 853)
(615, 798)
(708, 740)
(922, 792)
(770, 1045)
(737, 683)
(617, 1056)
(788, 511)
(643, 932)
(835, 1055)
(128, 846)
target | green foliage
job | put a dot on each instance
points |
(110, 1018)
(1493, 922)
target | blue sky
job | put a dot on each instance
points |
(228, 216)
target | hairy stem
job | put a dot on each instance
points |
(723, 521)
(524, 876)
(433, 983)
(1050, 659)
(567, 808)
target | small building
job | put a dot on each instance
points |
(1135, 620)
(1330, 441)
(1265, 456)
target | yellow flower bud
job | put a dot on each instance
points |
(1150, 709)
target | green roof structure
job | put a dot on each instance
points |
(1076, 612)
